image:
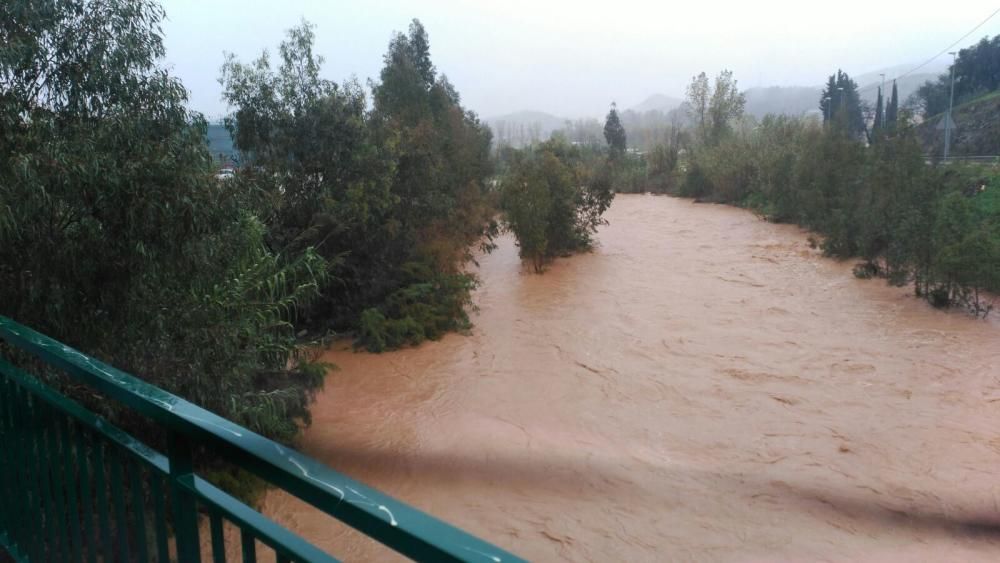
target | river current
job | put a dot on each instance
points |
(702, 386)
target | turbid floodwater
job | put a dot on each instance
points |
(703, 386)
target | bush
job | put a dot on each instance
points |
(417, 312)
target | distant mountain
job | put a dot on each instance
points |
(657, 102)
(932, 70)
(798, 100)
(659, 110)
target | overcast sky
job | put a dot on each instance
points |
(571, 58)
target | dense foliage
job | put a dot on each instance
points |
(115, 238)
(390, 197)
(714, 108)
(977, 72)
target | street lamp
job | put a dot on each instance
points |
(840, 96)
(829, 102)
(882, 92)
(951, 102)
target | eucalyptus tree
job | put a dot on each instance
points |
(714, 108)
(391, 197)
(114, 236)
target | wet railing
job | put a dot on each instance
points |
(75, 488)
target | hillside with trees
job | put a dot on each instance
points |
(976, 131)
(976, 73)
(976, 111)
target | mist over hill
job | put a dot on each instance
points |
(657, 102)
(785, 100)
(524, 127)
(800, 100)
(658, 111)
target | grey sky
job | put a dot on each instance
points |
(572, 57)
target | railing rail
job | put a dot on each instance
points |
(59, 460)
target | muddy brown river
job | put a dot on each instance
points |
(702, 387)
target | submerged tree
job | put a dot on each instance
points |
(553, 199)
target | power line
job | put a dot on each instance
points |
(943, 51)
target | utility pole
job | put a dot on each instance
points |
(951, 102)
(829, 102)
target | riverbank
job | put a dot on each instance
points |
(703, 386)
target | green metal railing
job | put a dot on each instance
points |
(75, 488)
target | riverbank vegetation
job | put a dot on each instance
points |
(911, 222)
(349, 214)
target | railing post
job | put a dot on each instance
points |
(184, 502)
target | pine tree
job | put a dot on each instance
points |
(841, 103)
(614, 132)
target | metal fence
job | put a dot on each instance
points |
(75, 488)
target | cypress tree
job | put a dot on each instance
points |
(892, 110)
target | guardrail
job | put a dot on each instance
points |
(983, 159)
(75, 488)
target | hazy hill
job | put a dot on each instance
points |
(907, 86)
(797, 100)
(657, 102)
(523, 127)
(786, 100)
(547, 120)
